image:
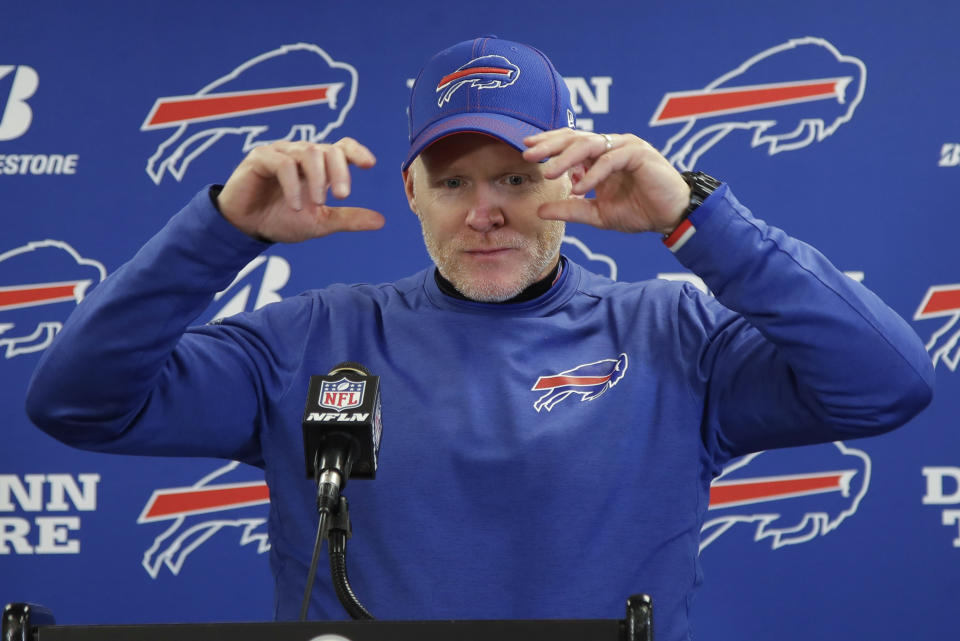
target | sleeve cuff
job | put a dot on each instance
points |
(686, 230)
(679, 236)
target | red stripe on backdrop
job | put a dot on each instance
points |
(944, 300)
(177, 110)
(704, 104)
(723, 494)
(31, 294)
(179, 502)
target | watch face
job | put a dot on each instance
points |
(701, 186)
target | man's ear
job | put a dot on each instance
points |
(407, 175)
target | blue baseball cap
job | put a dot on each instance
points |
(497, 87)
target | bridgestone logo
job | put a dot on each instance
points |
(38, 164)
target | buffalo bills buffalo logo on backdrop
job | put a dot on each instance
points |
(296, 92)
(40, 284)
(785, 98)
(942, 301)
(224, 499)
(788, 496)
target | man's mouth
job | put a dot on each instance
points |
(490, 253)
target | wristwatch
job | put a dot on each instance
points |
(701, 185)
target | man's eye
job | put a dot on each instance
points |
(452, 183)
(516, 179)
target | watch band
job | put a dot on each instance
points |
(701, 186)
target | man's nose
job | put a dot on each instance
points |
(485, 213)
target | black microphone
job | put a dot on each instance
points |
(341, 430)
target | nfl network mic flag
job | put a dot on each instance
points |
(344, 401)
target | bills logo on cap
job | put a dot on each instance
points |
(485, 72)
(342, 394)
(589, 381)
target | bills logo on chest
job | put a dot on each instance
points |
(589, 381)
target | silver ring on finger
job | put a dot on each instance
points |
(607, 141)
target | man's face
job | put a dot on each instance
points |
(477, 200)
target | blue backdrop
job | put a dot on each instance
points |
(837, 123)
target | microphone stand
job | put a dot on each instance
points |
(335, 525)
(340, 531)
(324, 512)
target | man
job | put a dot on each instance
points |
(550, 435)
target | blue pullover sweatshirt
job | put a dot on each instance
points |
(543, 459)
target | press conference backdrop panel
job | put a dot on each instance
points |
(864, 164)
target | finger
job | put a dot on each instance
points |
(552, 133)
(313, 163)
(335, 219)
(337, 171)
(571, 210)
(282, 146)
(578, 152)
(356, 153)
(270, 163)
(605, 165)
(548, 144)
(314, 167)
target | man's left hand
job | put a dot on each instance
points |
(636, 188)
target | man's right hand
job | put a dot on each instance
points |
(279, 192)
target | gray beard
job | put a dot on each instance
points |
(475, 287)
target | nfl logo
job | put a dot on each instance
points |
(341, 395)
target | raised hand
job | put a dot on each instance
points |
(636, 187)
(279, 191)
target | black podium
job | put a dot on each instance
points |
(28, 622)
